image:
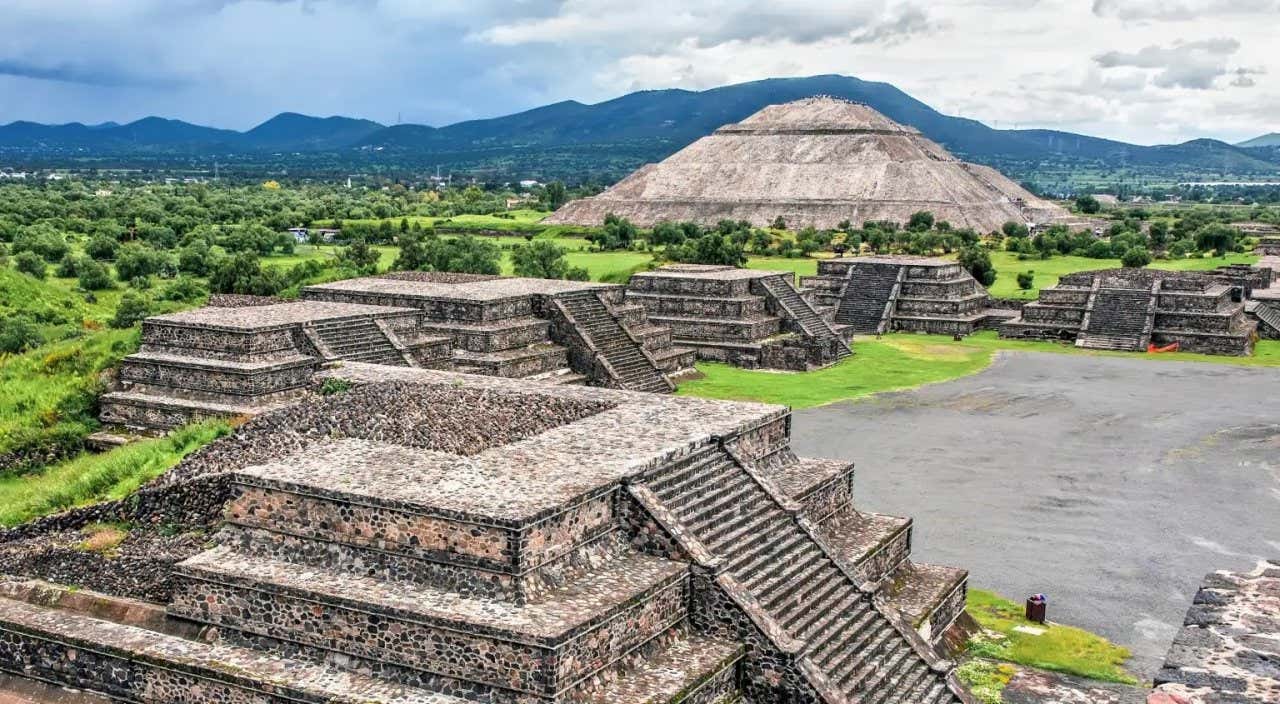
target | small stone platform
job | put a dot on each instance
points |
(1229, 647)
(1131, 309)
(879, 294)
(440, 537)
(233, 361)
(746, 317)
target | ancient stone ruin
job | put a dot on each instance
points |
(1228, 648)
(815, 162)
(873, 295)
(231, 361)
(433, 537)
(742, 316)
(1130, 309)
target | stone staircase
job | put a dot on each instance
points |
(1119, 320)
(789, 300)
(632, 366)
(863, 306)
(1269, 315)
(774, 554)
(359, 340)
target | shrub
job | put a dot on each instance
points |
(544, 260)
(94, 276)
(1026, 279)
(132, 310)
(359, 256)
(43, 241)
(184, 289)
(1088, 204)
(18, 333)
(69, 266)
(1136, 257)
(137, 260)
(977, 261)
(31, 264)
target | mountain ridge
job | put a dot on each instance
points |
(624, 132)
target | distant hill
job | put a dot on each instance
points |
(1267, 140)
(570, 139)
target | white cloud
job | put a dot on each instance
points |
(1181, 9)
(1196, 65)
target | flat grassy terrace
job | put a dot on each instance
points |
(1048, 271)
(904, 361)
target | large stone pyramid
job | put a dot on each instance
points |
(816, 162)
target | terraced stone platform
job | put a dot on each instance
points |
(879, 294)
(745, 317)
(217, 361)
(567, 544)
(1132, 309)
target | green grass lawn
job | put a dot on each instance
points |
(1048, 271)
(91, 478)
(904, 361)
(1059, 648)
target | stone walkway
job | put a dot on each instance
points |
(1111, 484)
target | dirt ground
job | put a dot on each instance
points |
(1112, 485)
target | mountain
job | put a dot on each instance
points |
(290, 131)
(609, 139)
(1267, 140)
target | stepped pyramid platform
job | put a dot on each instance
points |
(880, 294)
(1130, 309)
(429, 536)
(1227, 650)
(232, 361)
(745, 317)
(1268, 245)
(568, 331)
(814, 162)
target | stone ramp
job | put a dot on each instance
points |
(136, 665)
(774, 555)
(867, 292)
(810, 322)
(1118, 320)
(1269, 315)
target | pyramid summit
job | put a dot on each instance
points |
(814, 162)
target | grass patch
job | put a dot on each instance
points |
(1048, 271)
(90, 478)
(905, 361)
(1059, 649)
(103, 538)
(986, 680)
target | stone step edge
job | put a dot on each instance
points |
(227, 665)
(130, 398)
(221, 365)
(692, 674)
(452, 621)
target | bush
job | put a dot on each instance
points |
(69, 266)
(101, 247)
(18, 333)
(243, 274)
(977, 261)
(43, 241)
(617, 233)
(465, 254)
(31, 264)
(133, 309)
(1136, 257)
(1026, 279)
(184, 289)
(196, 258)
(541, 259)
(359, 256)
(138, 260)
(711, 248)
(94, 276)
(1088, 204)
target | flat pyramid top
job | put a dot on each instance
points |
(818, 114)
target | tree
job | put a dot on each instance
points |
(1088, 204)
(466, 254)
(1216, 237)
(1136, 257)
(1014, 229)
(196, 258)
(1026, 279)
(920, 221)
(136, 260)
(241, 273)
(359, 256)
(617, 233)
(555, 195)
(18, 333)
(977, 261)
(413, 252)
(102, 247)
(779, 223)
(31, 264)
(541, 259)
(133, 309)
(711, 248)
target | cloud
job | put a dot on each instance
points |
(1195, 65)
(1147, 10)
(87, 75)
(1244, 77)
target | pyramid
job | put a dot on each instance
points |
(814, 162)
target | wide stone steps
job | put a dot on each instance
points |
(132, 664)
(790, 575)
(1269, 314)
(359, 340)
(866, 295)
(681, 669)
(409, 633)
(634, 369)
(1117, 321)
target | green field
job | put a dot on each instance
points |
(904, 361)
(1047, 271)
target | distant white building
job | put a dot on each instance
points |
(529, 183)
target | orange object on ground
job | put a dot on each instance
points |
(1152, 349)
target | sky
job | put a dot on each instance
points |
(1143, 71)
